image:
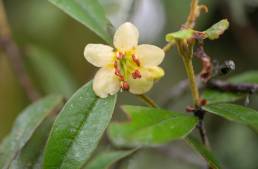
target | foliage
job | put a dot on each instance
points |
(150, 126)
(52, 134)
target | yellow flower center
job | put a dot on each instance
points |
(126, 64)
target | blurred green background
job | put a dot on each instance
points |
(49, 39)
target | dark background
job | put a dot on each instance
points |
(39, 23)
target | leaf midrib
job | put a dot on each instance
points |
(78, 131)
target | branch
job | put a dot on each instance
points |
(207, 66)
(14, 56)
(202, 131)
(226, 86)
(168, 46)
(194, 13)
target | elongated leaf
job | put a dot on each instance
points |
(29, 157)
(217, 29)
(150, 126)
(90, 13)
(105, 159)
(246, 77)
(235, 113)
(53, 77)
(214, 96)
(204, 152)
(78, 129)
(24, 127)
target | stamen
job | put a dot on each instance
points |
(117, 71)
(136, 74)
(124, 85)
(115, 65)
(136, 60)
(119, 55)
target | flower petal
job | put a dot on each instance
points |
(99, 55)
(126, 37)
(106, 82)
(142, 85)
(155, 72)
(149, 55)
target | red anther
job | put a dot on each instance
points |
(115, 65)
(124, 85)
(136, 74)
(117, 73)
(136, 60)
(119, 55)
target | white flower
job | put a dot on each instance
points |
(129, 66)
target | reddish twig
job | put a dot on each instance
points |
(207, 67)
(202, 131)
(13, 54)
(230, 87)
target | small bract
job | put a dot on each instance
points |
(129, 66)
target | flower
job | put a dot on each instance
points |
(129, 66)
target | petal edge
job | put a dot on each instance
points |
(126, 37)
(98, 55)
(150, 55)
(105, 82)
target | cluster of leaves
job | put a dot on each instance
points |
(52, 133)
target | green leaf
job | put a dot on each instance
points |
(78, 129)
(30, 155)
(204, 152)
(25, 125)
(217, 29)
(180, 35)
(150, 126)
(104, 160)
(52, 76)
(215, 96)
(246, 77)
(235, 113)
(90, 13)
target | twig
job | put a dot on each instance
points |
(194, 14)
(168, 46)
(207, 66)
(202, 130)
(201, 114)
(147, 100)
(13, 54)
(190, 22)
(230, 87)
